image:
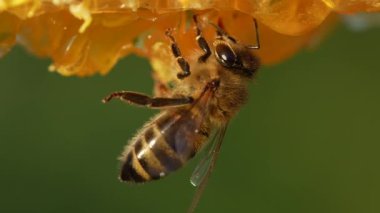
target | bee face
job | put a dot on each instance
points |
(235, 57)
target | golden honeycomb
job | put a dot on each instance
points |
(84, 37)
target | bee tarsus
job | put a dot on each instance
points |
(202, 43)
(183, 64)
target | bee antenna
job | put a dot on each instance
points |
(257, 46)
(221, 32)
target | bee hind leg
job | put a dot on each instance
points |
(144, 100)
(185, 67)
(202, 43)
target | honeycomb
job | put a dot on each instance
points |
(85, 37)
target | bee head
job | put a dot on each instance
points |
(235, 57)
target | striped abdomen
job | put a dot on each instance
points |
(165, 145)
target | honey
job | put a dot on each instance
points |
(87, 37)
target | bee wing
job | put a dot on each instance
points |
(203, 165)
(203, 171)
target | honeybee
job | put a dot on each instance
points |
(213, 88)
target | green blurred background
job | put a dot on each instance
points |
(307, 141)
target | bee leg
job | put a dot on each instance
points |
(257, 46)
(185, 67)
(202, 43)
(223, 34)
(220, 33)
(144, 100)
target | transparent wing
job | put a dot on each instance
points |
(203, 165)
(203, 171)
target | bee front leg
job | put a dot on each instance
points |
(185, 67)
(144, 100)
(257, 45)
(202, 43)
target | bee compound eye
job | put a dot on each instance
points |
(225, 55)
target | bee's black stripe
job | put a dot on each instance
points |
(165, 122)
(181, 136)
(128, 172)
(153, 172)
(162, 150)
(163, 153)
(149, 135)
(170, 163)
(138, 146)
(169, 129)
(144, 161)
